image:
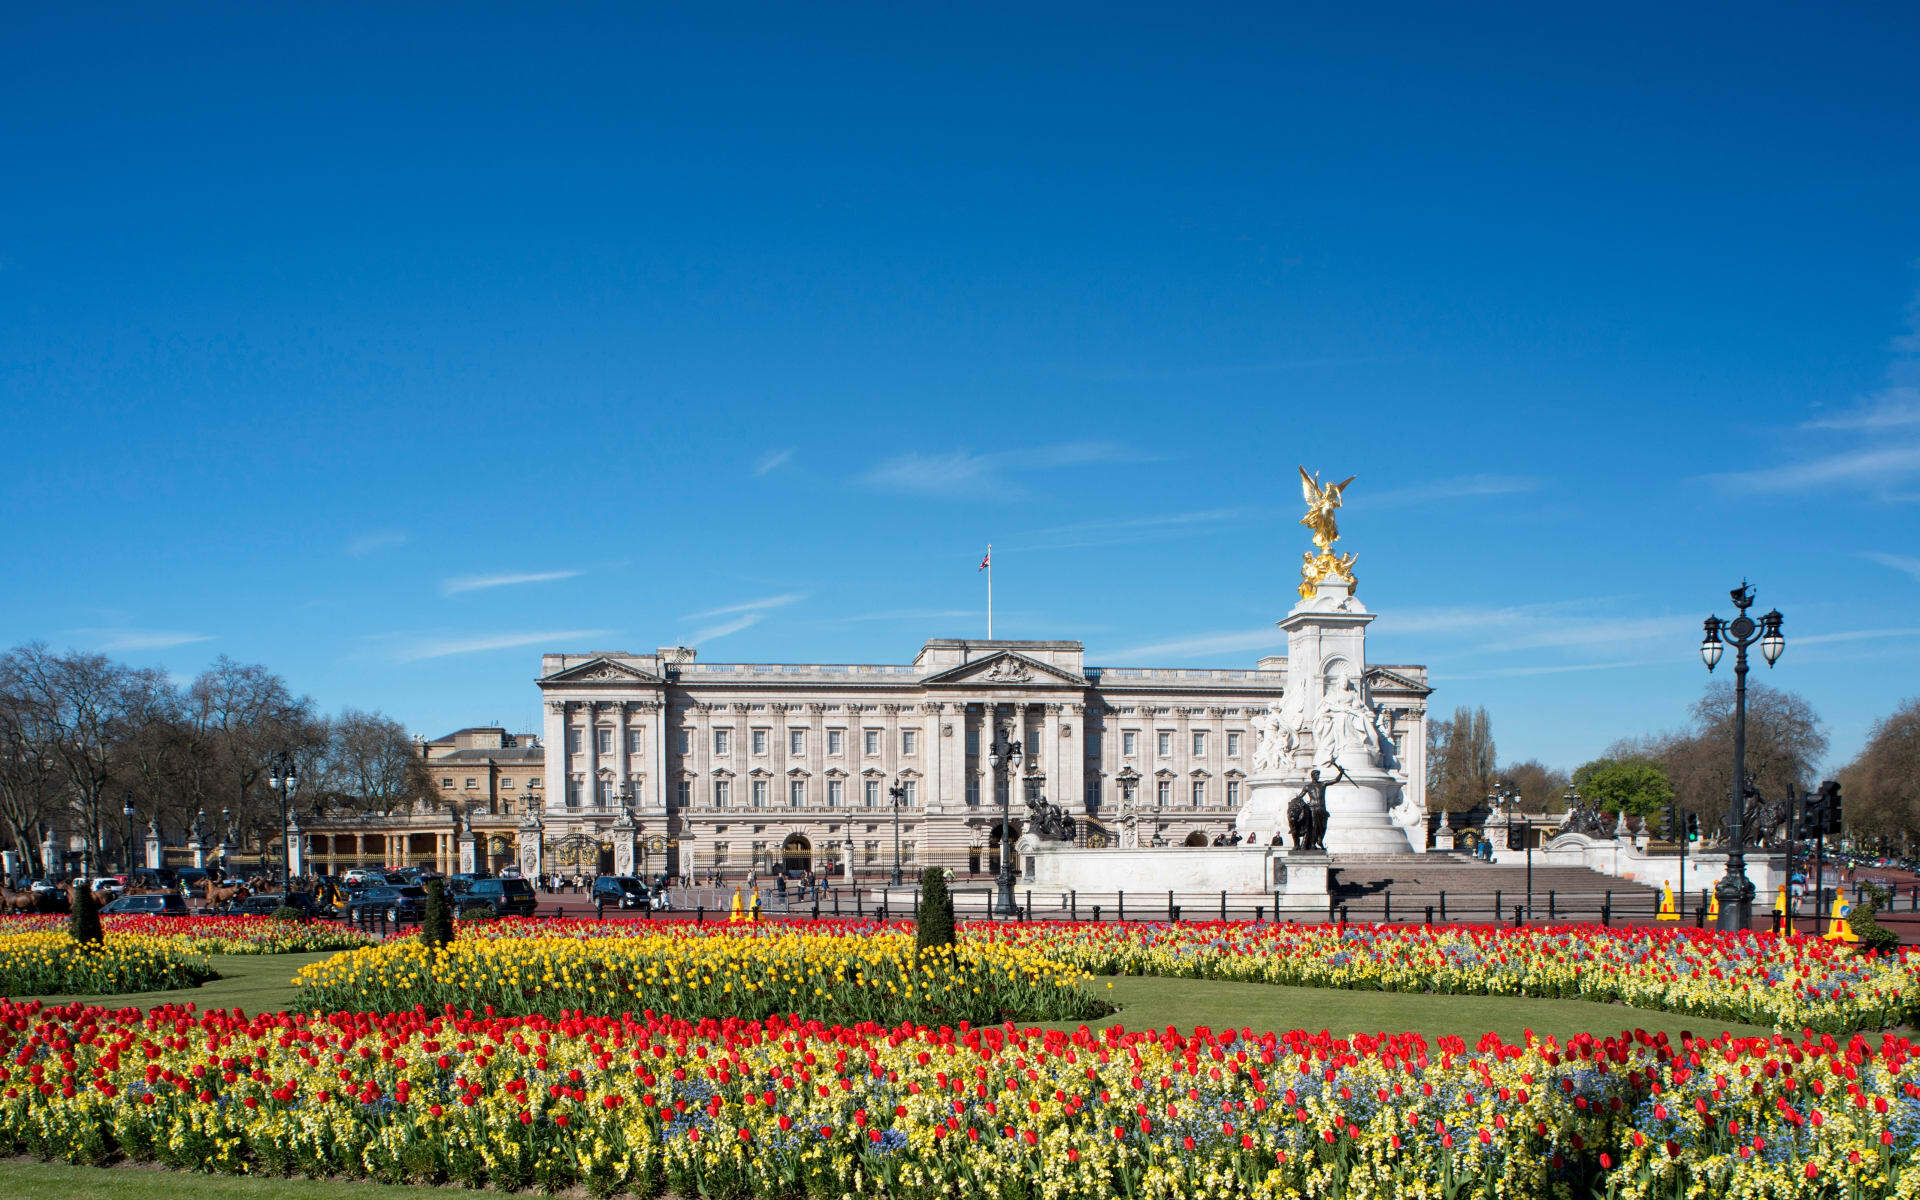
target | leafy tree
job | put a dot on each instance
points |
(83, 923)
(1784, 742)
(935, 919)
(1637, 787)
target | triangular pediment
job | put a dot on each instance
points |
(1377, 675)
(601, 670)
(1008, 668)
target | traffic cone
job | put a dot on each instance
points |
(753, 916)
(1839, 929)
(734, 917)
(1780, 910)
(1669, 911)
(1713, 907)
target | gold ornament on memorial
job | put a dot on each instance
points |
(1322, 563)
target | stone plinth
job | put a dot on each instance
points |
(1300, 882)
(1265, 813)
(1357, 821)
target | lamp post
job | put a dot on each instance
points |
(898, 794)
(126, 809)
(1735, 890)
(1504, 794)
(1004, 755)
(283, 780)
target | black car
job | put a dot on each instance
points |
(619, 891)
(460, 885)
(400, 905)
(267, 903)
(152, 904)
(501, 897)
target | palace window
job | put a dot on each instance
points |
(720, 854)
(796, 741)
(603, 740)
(913, 792)
(1093, 744)
(573, 740)
(1199, 793)
(636, 741)
(506, 785)
(836, 742)
(1129, 742)
(683, 794)
(1163, 794)
(873, 853)
(909, 741)
(796, 793)
(1233, 743)
(446, 781)
(973, 741)
(1093, 792)
(472, 782)
(836, 792)
(872, 743)
(1199, 743)
(722, 742)
(573, 792)
(759, 793)
(602, 792)
(973, 791)
(1166, 743)
(1233, 793)
(909, 852)
(722, 793)
(759, 741)
(873, 793)
(686, 741)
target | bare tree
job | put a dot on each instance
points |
(30, 787)
(1539, 785)
(244, 715)
(1785, 741)
(1882, 786)
(1468, 760)
(367, 761)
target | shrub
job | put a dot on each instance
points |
(436, 927)
(84, 924)
(287, 912)
(1872, 934)
(935, 918)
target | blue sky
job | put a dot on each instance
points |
(391, 346)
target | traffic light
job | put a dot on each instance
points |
(1516, 837)
(1827, 800)
(1693, 827)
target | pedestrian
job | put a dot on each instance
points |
(780, 886)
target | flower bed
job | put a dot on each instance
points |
(46, 964)
(786, 1108)
(1799, 983)
(693, 974)
(214, 934)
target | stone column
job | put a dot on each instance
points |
(620, 748)
(1054, 763)
(155, 853)
(296, 848)
(657, 756)
(591, 739)
(556, 766)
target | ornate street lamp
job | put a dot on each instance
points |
(1505, 794)
(283, 781)
(1735, 890)
(898, 794)
(1005, 754)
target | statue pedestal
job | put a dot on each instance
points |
(1357, 821)
(1300, 882)
(469, 854)
(1265, 812)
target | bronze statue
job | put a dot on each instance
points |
(1307, 811)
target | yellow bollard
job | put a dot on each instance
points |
(734, 917)
(1839, 929)
(1668, 910)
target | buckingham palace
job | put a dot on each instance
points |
(809, 766)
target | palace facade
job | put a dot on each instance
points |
(807, 766)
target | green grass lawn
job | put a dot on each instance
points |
(32, 1179)
(254, 982)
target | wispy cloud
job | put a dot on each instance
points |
(476, 583)
(553, 639)
(964, 474)
(1852, 635)
(1563, 668)
(1892, 408)
(114, 641)
(1200, 646)
(371, 543)
(724, 628)
(1869, 468)
(1459, 487)
(1899, 562)
(1596, 632)
(749, 606)
(772, 461)
(1122, 531)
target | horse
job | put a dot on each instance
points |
(12, 902)
(223, 897)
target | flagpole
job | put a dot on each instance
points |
(989, 591)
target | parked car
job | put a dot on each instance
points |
(267, 903)
(502, 897)
(401, 905)
(460, 885)
(153, 904)
(362, 877)
(155, 877)
(619, 891)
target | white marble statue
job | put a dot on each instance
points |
(1344, 729)
(1273, 740)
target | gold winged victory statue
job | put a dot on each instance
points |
(1322, 500)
